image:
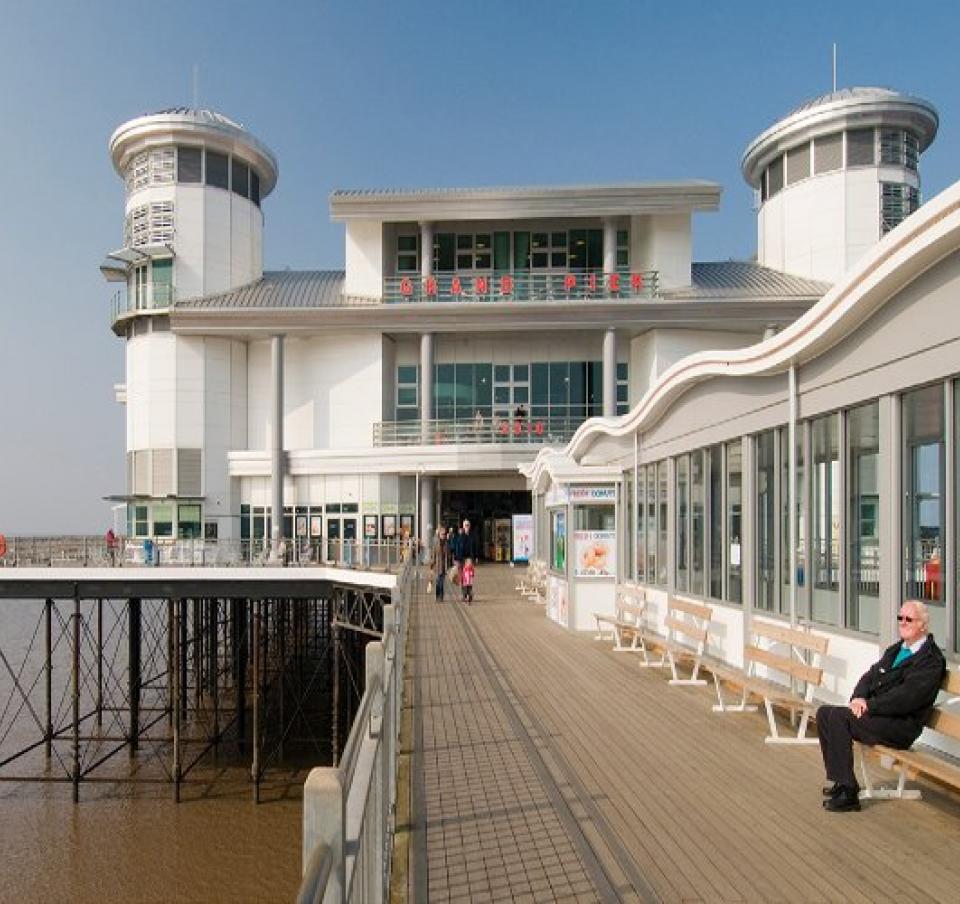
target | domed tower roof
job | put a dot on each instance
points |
(187, 124)
(848, 108)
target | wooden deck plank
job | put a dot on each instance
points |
(693, 803)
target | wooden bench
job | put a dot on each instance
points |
(793, 652)
(533, 586)
(627, 620)
(688, 626)
(919, 759)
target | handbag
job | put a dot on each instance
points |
(453, 574)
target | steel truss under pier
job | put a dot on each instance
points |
(180, 670)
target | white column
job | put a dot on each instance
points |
(276, 458)
(426, 384)
(426, 249)
(428, 507)
(610, 373)
(609, 245)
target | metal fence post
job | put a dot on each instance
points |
(323, 824)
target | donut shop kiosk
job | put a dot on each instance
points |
(582, 547)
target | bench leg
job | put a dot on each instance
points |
(692, 681)
(871, 792)
(776, 738)
(722, 707)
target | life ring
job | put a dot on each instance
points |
(3, 546)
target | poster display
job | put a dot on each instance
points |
(406, 526)
(389, 524)
(595, 553)
(370, 527)
(557, 609)
(558, 540)
(522, 537)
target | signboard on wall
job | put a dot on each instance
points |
(557, 609)
(593, 494)
(522, 538)
(595, 553)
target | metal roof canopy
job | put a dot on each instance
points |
(520, 202)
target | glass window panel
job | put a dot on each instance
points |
(825, 516)
(540, 240)
(163, 520)
(501, 251)
(218, 173)
(482, 242)
(595, 248)
(622, 389)
(558, 259)
(622, 370)
(521, 394)
(651, 524)
(766, 522)
(623, 238)
(623, 258)
(240, 178)
(483, 385)
(501, 373)
(697, 522)
(558, 239)
(540, 260)
(578, 387)
(641, 525)
(521, 251)
(407, 373)
(682, 516)
(861, 150)
(464, 261)
(406, 243)
(578, 249)
(189, 164)
(501, 395)
(464, 242)
(444, 391)
(734, 522)
(464, 382)
(521, 373)
(923, 501)
(785, 518)
(863, 518)
(444, 252)
(407, 263)
(715, 456)
(406, 395)
(559, 388)
(663, 489)
(482, 261)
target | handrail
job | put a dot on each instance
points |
(350, 808)
(497, 429)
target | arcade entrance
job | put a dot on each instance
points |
(489, 511)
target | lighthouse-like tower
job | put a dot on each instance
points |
(193, 226)
(835, 175)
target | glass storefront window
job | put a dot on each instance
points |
(924, 460)
(766, 524)
(715, 456)
(641, 525)
(663, 489)
(558, 540)
(629, 533)
(682, 535)
(141, 521)
(734, 522)
(651, 524)
(800, 485)
(825, 517)
(697, 522)
(863, 519)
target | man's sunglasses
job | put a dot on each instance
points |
(909, 619)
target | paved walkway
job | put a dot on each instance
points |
(548, 768)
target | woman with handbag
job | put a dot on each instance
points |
(440, 561)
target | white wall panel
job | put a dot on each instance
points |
(188, 241)
(216, 243)
(364, 258)
(258, 395)
(189, 392)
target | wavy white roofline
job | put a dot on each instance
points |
(898, 259)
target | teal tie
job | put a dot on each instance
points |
(903, 654)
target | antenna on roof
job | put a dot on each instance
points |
(834, 67)
(196, 88)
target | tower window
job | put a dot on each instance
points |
(241, 178)
(860, 147)
(218, 174)
(897, 202)
(828, 153)
(189, 164)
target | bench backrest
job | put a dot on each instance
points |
(785, 650)
(689, 619)
(631, 602)
(945, 718)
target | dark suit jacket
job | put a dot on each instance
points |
(906, 693)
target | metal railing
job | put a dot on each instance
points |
(349, 809)
(97, 552)
(522, 285)
(148, 297)
(513, 429)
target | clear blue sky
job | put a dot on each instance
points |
(362, 94)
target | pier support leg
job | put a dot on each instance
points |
(76, 697)
(335, 707)
(213, 677)
(241, 671)
(257, 657)
(178, 654)
(99, 665)
(134, 675)
(171, 666)
(183, 656)
(48, 643)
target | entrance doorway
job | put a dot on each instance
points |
(490, 514)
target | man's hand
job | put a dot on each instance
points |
(858, 706)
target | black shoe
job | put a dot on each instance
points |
(846, 800)
(831, 790)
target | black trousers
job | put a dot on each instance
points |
(838, 728)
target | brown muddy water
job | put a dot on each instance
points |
(132, 842)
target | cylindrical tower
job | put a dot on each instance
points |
(193, 226)
(835, 175)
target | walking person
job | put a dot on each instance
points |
(466, 581)
(440, 561)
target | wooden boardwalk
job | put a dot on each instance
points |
(548, 768)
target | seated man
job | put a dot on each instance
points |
(890, 705)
